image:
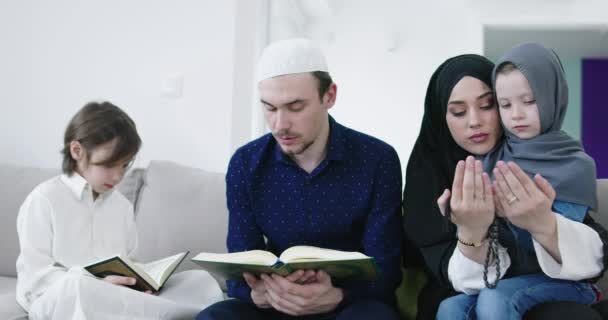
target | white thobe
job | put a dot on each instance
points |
(62, 228)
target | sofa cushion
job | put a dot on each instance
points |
(9, 308)
(194, 288)
(180, 208)
(131, 185)
(16, 182)
(602, 195)
(7, 285)
(601, 216)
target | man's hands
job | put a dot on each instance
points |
(300, 293)
(258, 290)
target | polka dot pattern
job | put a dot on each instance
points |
(351, 202)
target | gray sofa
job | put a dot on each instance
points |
(177, 208)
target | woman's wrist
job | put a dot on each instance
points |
(547, 229)
(473, 244)
(466, 236)
(477, 254)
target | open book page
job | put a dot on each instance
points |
(160, 270)
(309, 253)
(339, 264)
(150, 276)
(232, 265)
(123, 266)
(257, 257)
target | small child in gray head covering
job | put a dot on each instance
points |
(532, 95)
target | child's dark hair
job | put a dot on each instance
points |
(95, 124)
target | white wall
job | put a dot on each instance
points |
(55, 56)
(58, 55)
(382, 53)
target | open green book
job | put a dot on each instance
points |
(338, 264)
(149, 276)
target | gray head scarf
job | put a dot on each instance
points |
(553, 154)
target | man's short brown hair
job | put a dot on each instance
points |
(324, 80)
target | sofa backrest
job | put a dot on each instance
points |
(16, 182)
(177, 208)
(601, 216)
(602, 193)
(180, 208)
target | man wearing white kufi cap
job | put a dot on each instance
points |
(311, 181)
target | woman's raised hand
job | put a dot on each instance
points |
(471, 200)
(524, 202)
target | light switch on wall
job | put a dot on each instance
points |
(172, 87)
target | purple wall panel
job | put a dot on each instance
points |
(595, 112)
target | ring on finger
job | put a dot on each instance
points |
(513, 199)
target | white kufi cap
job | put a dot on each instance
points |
(290, 56)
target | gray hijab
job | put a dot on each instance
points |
(553, 153)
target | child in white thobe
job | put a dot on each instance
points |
(77, 218)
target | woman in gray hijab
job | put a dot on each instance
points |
(535, 264)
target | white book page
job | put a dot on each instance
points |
(157, 269)
(139, 269)
(309, 253)
(259, 257)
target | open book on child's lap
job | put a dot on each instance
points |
(149, 276)
(338, 264)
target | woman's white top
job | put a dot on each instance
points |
(579, 245)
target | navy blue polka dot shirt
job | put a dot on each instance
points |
(351, 202)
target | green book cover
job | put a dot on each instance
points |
(338, 264)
